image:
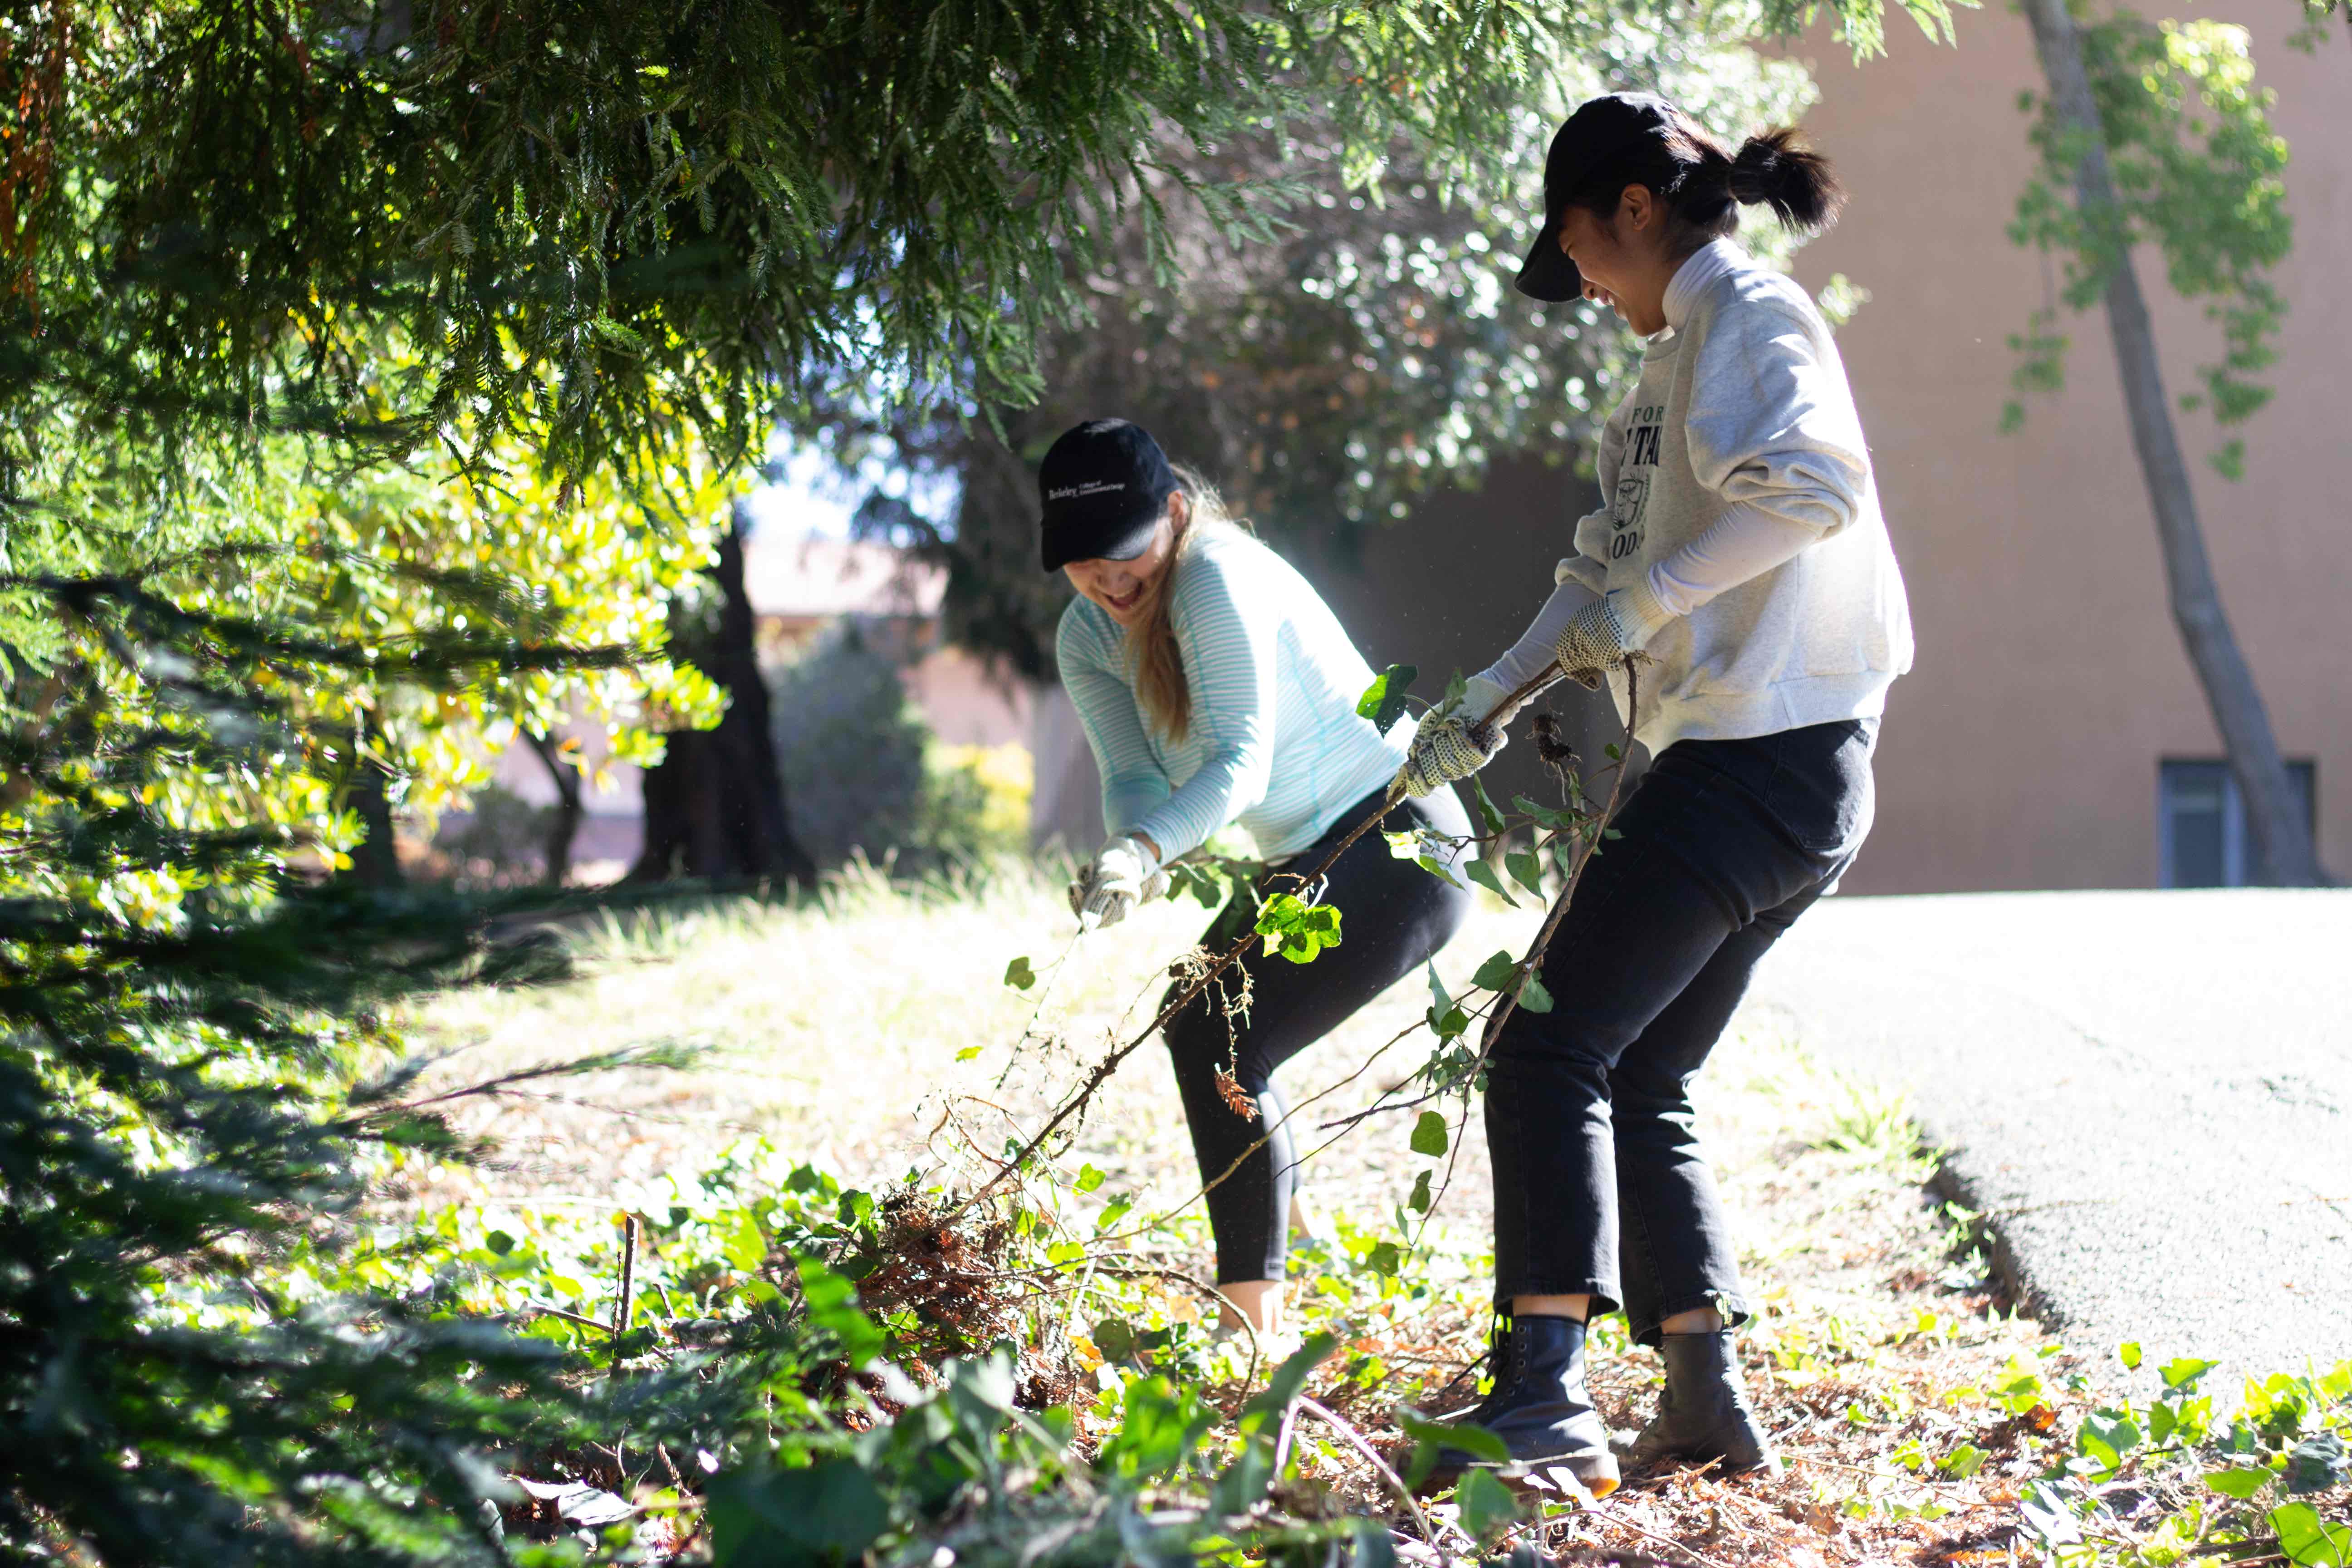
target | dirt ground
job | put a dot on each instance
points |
(834, 1032)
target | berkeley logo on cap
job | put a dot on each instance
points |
(1103, 486)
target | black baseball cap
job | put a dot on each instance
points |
(1102, 487)
(1599, 131)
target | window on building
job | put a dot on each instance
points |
(2201, 821)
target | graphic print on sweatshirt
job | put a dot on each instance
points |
(1633, 497)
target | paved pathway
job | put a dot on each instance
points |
(2152, 1094)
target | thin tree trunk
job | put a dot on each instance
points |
(565, 827)
(715, 804)
(2284, 854)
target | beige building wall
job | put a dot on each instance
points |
(2023, 752)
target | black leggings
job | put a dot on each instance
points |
(1394, 916)
(1599, 1186)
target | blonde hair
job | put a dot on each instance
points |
(1157, 664)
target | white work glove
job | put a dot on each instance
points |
(1606, 632)
(1443, 749)
(1122, 875)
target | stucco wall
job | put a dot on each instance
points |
(2023, 752)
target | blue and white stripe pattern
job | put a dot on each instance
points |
(1275, 742)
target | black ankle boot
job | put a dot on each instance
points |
(1539, 1406)
(1704, 1413)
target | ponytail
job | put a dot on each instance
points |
(1704, 183)
(1795, 180)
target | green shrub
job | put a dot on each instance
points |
(864, 774)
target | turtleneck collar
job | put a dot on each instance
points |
(1706, 264)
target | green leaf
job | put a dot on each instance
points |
(1497, 972)
(2182, 1372)
(1450, 1025)
(500, 1242)
(969, 1052)
(832, 1306)
(1286, 1382)
(1422, 1198)
(1483, 873)
(1384, 700)
(1533, 996)
(826, 1513)
(1385, 1257)
(1019, 975)
(2241, 1482)
(1115, 1337)
(1962, 1462)
(1437, 996)
(1549, 816)
(1436, 868)
(1456, 688)
(2309, 1541)
(2317, 1464)
(1487, 811)
(1089, 1178)
(1475, 1441)
(1525, 870)
(1429, 1134)
(2128, 1352)
(1486, 1504)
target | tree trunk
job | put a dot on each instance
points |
(715, 804)
(2282, 847)
(565, 827)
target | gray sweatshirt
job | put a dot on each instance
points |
(1740, 531)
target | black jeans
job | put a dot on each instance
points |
(1393, 917)
(1599, 1187)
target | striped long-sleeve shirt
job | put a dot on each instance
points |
(1275, 741)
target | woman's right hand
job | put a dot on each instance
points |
(1447, 747)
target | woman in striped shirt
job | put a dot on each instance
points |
(1216, 687)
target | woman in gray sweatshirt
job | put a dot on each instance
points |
(1739, 557)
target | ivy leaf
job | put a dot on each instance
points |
(1456, 688)
(2128, 1352)
(1089, 1178)
(1486, 1504)
(1385, 1258)
(1483, 873)
(1525, 870)
(1962, 1462)
(2241, 1482)
(2308, 1540)
(1384, 700)
(1019, 975)
(1487, 811)
(1533, 997)
(1436, 868)
(1421, 1199)
(1437, 996)
(2317, 1464)
(832, 1306)
(1429, 1134)
(1497, 972)
(2182, 1372)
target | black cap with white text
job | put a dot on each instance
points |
(1102, 487)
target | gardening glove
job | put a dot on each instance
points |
(1608, 631)
(1122, 875)
(1444, 747)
